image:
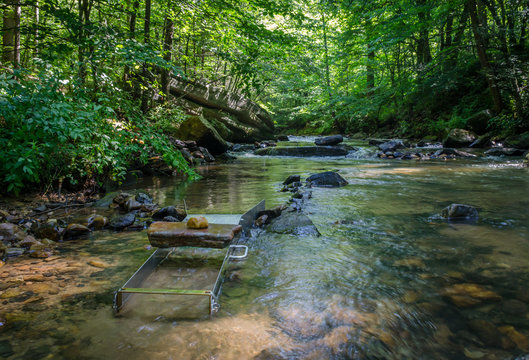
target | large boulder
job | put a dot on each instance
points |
(329, 140)
(518, 141)
(243, 117)
(303, 151)
(327, 179)
(293, 222)
(197, 128)
(479, 122)
(459, 138)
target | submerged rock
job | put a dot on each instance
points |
(327, 179)
(292, 178)
(470, 295)
(329, 140)
(498, 151)
(49, 230)
(521, 341)
(486, 331)
(302, 151)
(75, 230)
(459, 138)
(294, 222)
(460, 211)
(180, 214)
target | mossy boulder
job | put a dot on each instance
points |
(197, 128)
(479, 122)
(459, 138)
(520, 141)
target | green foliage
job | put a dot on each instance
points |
(50, 133)
(167, 118)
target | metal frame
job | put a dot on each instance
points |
(133, 285)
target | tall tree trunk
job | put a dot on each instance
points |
(84, 18)
(36, 33)
(483, 58)
(167, 51)
(146, 39)
(8, 35)
(132, 31)
(326, 54)
(424, 55)
(16, 49)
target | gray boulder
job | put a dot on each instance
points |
(391, 145)
(172, 211)
(327, 179)
(518, 141)
(504, 152)
(119, 222)
(459, 138)
(329, 140)
(293, 222)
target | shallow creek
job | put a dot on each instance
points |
(372, 286)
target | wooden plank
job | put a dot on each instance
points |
(172, 234)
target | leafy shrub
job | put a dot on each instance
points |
(51, 130)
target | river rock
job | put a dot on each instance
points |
(98, 222)
(391, 145)
(470, 295)
(198, 222)
(75, 230)
(49, 230)
(292, 178)
(482, 142)
(121, 198)
(242, 147)
(327, 179)
(170, 219)
(143, 198)
(131, 205)
(521, 341)
(295, 222)
(283, 138)
(274, 212)
(459, 212)
(28, 242)
(459, 138)
(119, 222)
(180, 214)
(518, 141)
(11, 233)
(261, 220)
(303, 151)
(498, 151)
(14, 251)
(486, 331)
(204, 133)
(207, 156)
(329, 140)
(452, 152)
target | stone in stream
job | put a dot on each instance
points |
(163, 234)
(499, 151)
(198, 222)
(459, 212)
(283, 138)
(294, 222)
(303, 151)
(329, 140)
(261, 220)
(292, 178)
(131, 205)
(459, 138)
(470, 295)
(143, 198)
(49, 230)
(327, 179)
(486, 331)
(180, 214)
(121, 198)
(392, 145)
(518, 141)
(454, 152)
(119, 222)
(75, 230)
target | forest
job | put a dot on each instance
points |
(85, 84)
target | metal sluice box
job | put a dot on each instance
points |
(187, 272)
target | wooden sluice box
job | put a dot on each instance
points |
(188, 265)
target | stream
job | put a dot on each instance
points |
(372, 286)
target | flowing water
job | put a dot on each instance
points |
(372, 286)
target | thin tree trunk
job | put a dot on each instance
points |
(8, 35)
(326, 50)
(483, 58)
(146, 40)
(167, 51)
(18, 12)
(37, 19)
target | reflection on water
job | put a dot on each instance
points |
(386, 280)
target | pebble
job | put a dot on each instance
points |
(97, 264)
